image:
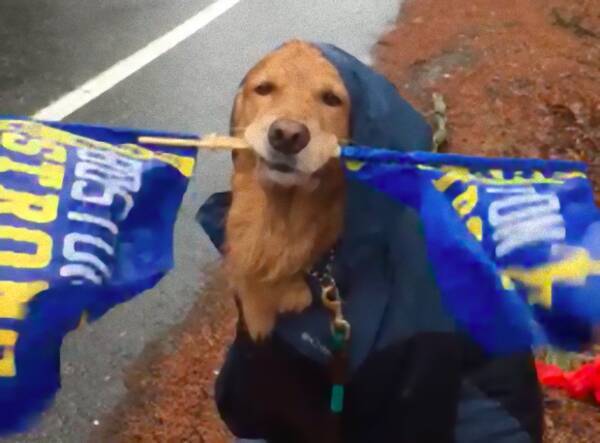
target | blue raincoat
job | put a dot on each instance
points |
(414, 376)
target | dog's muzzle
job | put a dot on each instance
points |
(288, 137)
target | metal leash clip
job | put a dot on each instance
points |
(340, 331)
(331, 299)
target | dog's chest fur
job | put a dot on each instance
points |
(273, 236)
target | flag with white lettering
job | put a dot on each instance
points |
(514, 244)
(86, 222)
(87, 217)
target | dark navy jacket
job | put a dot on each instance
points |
(414, 377)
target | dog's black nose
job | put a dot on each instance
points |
(288, 136)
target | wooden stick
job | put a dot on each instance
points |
(212, 141)
(166, 141)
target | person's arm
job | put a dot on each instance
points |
(427, 391)
(501, 400)
(430, 374)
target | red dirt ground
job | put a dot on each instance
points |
(170, 388)
(520, 78)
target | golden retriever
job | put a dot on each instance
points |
(288, 191)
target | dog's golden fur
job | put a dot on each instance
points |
(274, 231)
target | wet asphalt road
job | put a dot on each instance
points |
(49, 47)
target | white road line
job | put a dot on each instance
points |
(104, 81)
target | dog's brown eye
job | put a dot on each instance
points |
(330, 99)
(264, 88)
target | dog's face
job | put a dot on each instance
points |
(293, 108)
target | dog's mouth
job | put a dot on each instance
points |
(285, 174)
(284, 168)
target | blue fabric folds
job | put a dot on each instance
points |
(514, 243)
(86, 222)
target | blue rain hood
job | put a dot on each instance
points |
(379, 116)
(381, 265)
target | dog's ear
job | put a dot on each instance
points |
(234, 110)
(233, 116)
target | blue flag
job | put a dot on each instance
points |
(87, 218)
(514, 243)
(86, 222)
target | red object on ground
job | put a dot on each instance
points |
(581, 383)
(551, 375)
(597, 384)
